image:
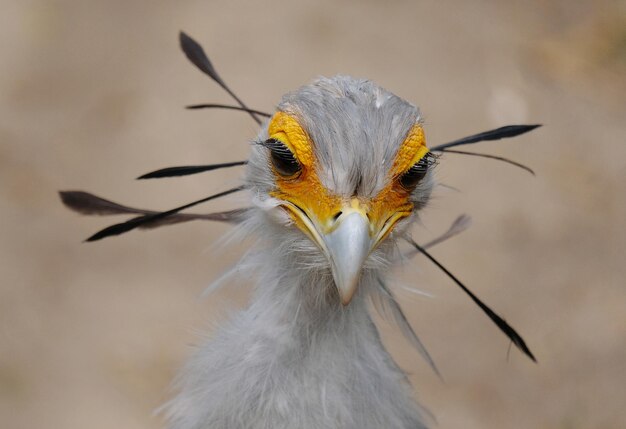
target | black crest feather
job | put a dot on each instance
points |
(90, 204)
(145, 220)
(499, 321)
(188, 170)
(227, 107)
(198, 57)
(489, 156)
(497, 134)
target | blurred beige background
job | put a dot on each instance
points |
(92, 95)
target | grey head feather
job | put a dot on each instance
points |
(356, 128)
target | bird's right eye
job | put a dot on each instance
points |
(283, 160)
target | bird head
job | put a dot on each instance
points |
(345, 164)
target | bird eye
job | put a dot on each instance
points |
(282, 158)
(416, 173)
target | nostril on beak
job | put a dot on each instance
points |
(339, 213)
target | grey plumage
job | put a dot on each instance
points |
(296, 357)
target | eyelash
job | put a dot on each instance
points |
(283, 160)
(286, 164)
(417, 172)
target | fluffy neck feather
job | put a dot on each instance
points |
(295, 358)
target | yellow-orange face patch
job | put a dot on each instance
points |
(305, 192)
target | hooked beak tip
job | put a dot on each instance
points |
(346, 289)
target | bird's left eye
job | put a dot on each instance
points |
(416, 173)
(283, 160)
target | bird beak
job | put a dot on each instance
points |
(347, 239)
(347, 246)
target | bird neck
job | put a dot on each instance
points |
(306, 303)
(295, 357)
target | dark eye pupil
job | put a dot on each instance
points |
(282, 158)
(416, 173)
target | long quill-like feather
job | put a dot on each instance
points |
(90, 204)
(496, 134)
(196, 55)
(188, 170)
(499, 321)
(145, 220)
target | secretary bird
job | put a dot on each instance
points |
(336, 177)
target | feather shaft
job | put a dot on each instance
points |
(489, 156)
(187, 170)
(227, 107)
(129, 225)
(496, 134)
(499, 321)
(195, 53)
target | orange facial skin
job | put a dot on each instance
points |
(304, 192)
(392, 203)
